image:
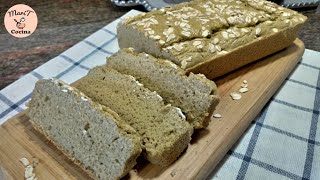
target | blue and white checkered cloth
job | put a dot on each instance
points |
(283, 142)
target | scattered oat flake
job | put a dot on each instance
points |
(237, 34)
(32, 177)
(200, 47)
(245, 82)
(245, 30)
(243, 90)
(235, 96)
(170, 37)
(84, 98)
(217, 115)
(218, 48)
(222, 52)
(205, 33)
(248, 19)
(215, 41)
(269, 22)
(184, 16)
(188, 59)
(183, 64)
(232, 35)
(196, 43)
(244, 85)
(225, 35)
(186, 33)
(178, 47)
(170, 30)
(258, 31)
(162, 42)
(24, 161)
(28, 171)
(286, 14)
(157, 37)
(84, 132)
(173, 173)
(183, 24)
(211, 48)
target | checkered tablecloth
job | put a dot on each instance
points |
(283, 142)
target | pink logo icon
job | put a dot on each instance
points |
(20, 20)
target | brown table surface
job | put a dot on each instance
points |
(63, 23)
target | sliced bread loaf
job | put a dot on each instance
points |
(164, 131)
(90, 134)
(212, 37)
(194, 93)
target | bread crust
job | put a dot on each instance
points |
(246, 54)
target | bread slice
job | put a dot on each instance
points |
(193, 93)
(91, 135)
(212, 37)
(164, 131)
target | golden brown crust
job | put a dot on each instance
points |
(246, 54)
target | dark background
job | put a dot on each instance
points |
(63, 23)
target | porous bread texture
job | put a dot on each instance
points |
(91, 135)
(194, 93)
(212, 37)
(164, 131)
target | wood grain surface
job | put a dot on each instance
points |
(207, 148)
(63, 23)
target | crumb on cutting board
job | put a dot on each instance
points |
(29, 168)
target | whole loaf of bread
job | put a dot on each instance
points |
(212, 37)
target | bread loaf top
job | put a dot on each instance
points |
(191, 32)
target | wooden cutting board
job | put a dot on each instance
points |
(207, 148)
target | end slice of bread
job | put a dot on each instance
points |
(164, 131)
(90, 134)
(194, 93)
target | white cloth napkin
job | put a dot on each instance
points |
(283, 142)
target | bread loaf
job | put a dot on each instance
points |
(90, 134)
(193, 93)
(212, 37)
(164, 131)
